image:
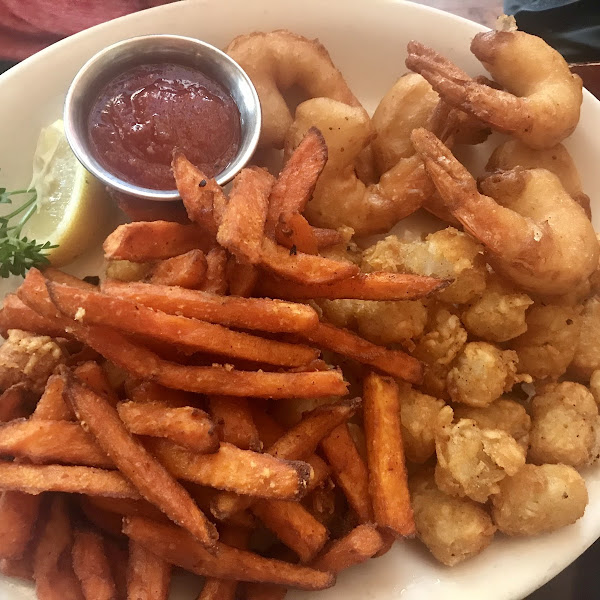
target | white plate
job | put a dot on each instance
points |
(367, 40)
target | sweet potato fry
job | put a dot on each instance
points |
(202, 197)
(247, 313)
(18, 516)
(148, 576)
(14, 402)
(52, 567)
(216, 272)
(138, 209)
(327, 237)
(92, 375)
(241, 278)
(17, 315)
(241, 471)
(51, 406)
(91, 566)
(364, 286)
(264, 591)
(151, 479)
(243, 222)
(148, 391)
(59, 276)
(349, 470)
(118, 557)
(297, 179)
(293, 525)
(385, 453)
(294, 231)
(153, 240)
(125, 507)
(344, 342)
(34, 479)
(177, 547)
(107, 522)
(51, 441)
(94, 308)
(19, 568)
(234, 420)
(189, 427)
(303, 268)
(359, 545)
(186, 270)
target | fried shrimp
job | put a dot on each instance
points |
(340, 197)
(542, 100)
(278, 60)
(536, 234)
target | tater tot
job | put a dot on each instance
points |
(472, 461)
(564, 425)
(498, 315)
(505, 414)
(453, 529)
(539, 499)
(587, 353)
(448, 254)
(443, 340)
(482, 373)
(548, 346)
(418, 415)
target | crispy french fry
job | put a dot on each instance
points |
(359, 545)
(177, 547)
(92, 374)
(216, 272)
(242, 471)
(91, 566)
(349, 469)
(154, 240)
(241, 278)
(125, 507)
(264, 591)
(148, 576)
(17, 315)
(99, 309)
(49, 441)
(18, 516)
(148, 391)
(385, 453)
(150, 478)
(13, 402)
(364, 286)
(294, 231)
(293, 525)
(35, 479)
(186, 270)
(234, 419)
(51, 405)
(202, 197)
(243, 222)
(344, 342)
(189, 427)
(297, 179)
(54, 578)
(61, 277)
(247, 313)
(303, 268)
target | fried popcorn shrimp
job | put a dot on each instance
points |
(548, 346)
(534, 232)
(498, 315)
(340, 197)
(471, 460)
(453, 529)
(504, 414)
(587, 352)
(443, 340)
(28, 358)
(564, 425)
(482, 373)
(539, 499)
(542, 100)
(447, 254)
(279, 60)
(418, 415)
(514, 153)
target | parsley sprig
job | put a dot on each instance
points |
(17, 253)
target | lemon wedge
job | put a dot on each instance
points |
(72, 208)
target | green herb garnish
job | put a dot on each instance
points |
(17, 254)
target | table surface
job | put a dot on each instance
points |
(581, 580)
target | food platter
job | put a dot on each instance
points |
(367, 40)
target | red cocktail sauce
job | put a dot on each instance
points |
(142, 115)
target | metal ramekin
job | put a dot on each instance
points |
(148, 49)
